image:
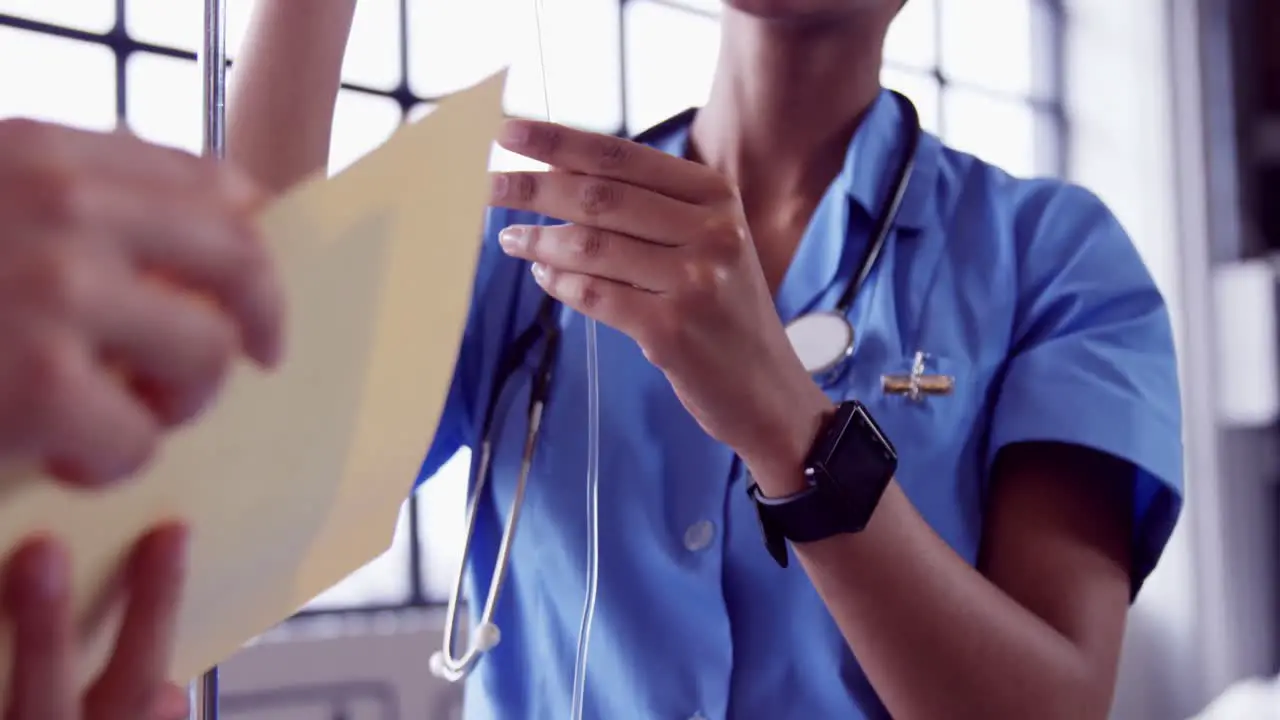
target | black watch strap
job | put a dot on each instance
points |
(848, 468)
(791, 518)
(803, 517)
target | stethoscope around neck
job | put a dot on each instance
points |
(545, 327)
(823, 340)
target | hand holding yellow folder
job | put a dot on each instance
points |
(294, 479)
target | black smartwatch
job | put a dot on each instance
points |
(848, 468)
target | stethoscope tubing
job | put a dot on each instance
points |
(889, 214)
(446, 663)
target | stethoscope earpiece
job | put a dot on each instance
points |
(487, 636)
(438, 667)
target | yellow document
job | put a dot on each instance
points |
(295, 478)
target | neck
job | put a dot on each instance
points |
(786, 100)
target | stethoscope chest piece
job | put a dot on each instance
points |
(822, 340)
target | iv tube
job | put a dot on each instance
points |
(593, 452)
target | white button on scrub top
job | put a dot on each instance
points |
(699, 535)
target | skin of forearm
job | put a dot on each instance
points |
(939, 640)
(936, 637)
(283, 88)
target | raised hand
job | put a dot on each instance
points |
(130, 277)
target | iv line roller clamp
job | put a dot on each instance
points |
(213, 69)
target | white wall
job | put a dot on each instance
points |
(1137, 106)
(1119, 104)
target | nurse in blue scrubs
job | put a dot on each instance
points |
(995, 570)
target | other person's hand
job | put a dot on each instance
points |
(133, 686)
(658, 248)
(130, 277)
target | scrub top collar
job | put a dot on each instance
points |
(873, 158)
(834, 240)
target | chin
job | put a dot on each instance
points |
(806, 9)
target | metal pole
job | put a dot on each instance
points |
(213, 67)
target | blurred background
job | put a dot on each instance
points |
(1168, 109)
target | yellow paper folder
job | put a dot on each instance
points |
(295, 478)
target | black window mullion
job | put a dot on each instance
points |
(1053, 30)
(116, 39)
(1046, 101)
(938, 75)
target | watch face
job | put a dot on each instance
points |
(859, 464)
(850, 465)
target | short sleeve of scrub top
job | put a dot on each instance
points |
(1092, 361)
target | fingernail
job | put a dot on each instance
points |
(53, 570)
(73, 473)
(514, 133)
(539, 272)
(179, 545)
(513, 238)
(271, 354)
(268, 347)
(499, 185)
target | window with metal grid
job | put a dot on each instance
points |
(985, 76)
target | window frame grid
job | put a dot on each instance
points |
(1047, 106)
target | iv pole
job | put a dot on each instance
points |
(213, 67)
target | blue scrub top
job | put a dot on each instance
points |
(1028, 292)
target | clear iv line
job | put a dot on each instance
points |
(593, 453)
(593, 522)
